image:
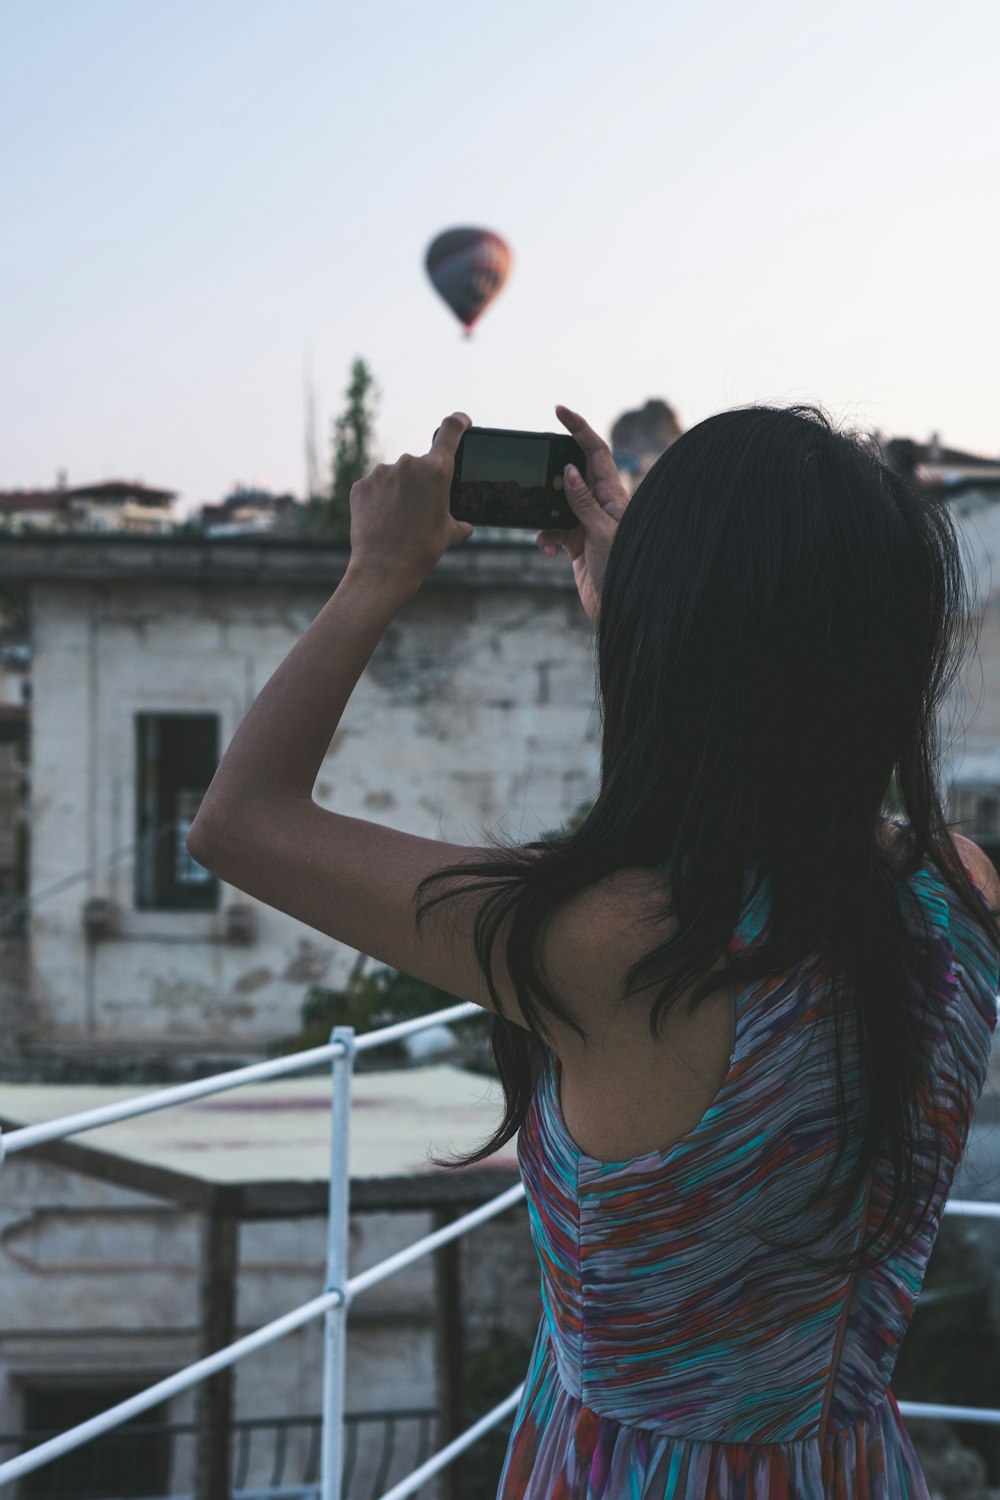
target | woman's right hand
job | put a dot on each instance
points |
(598, 499)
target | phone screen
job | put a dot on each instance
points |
(503, 475)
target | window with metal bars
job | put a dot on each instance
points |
(176, 758)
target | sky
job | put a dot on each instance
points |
(711, 203)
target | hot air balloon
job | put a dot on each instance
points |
(468, 267)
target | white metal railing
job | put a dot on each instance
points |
(339, 1291)
(332, 1304)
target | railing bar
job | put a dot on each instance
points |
(337, 1226)
(181, 1093)
(925, 1411)
(378, 1413)
(444, 1456)
(423, 1442)
(393, 1263)
(181, 1429)
(144, 1104)
(971, 1209)
(383, 1034)
(387, 1451)
(280, 1448)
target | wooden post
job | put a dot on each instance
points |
(450, 1344)
(214, 1405)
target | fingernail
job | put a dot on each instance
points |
(549, 550)
(573, 476)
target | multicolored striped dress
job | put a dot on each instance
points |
(676, 1357)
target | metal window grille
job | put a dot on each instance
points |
(176, 758)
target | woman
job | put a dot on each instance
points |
(742, 1016)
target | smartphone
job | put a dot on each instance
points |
(504, 477)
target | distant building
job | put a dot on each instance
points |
(112, 505)
(249, 510)
(970, 485)
(122, 505)
(20, 509)
(932, 464)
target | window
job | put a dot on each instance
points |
(13, 820)
(974, 809)
(176, 758)
(117, 1463)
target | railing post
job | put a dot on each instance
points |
(335, 1320)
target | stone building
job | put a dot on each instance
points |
(478, 709)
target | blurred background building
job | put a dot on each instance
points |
(639, 437)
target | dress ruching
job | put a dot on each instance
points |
(678, 1357)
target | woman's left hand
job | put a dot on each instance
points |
(401, 521)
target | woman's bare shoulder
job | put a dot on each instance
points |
(595, 935)
(976, 861)
(633, 896)
(979, 865)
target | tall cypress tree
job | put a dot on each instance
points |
(353, 455)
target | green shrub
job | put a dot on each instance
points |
(368, 1002)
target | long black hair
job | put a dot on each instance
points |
(781, 622)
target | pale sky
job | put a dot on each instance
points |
(714, 203)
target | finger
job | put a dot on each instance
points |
(549, 542)
(571, 542)
(585, 435)
(577, 491)
(600, 463)
(449, 435)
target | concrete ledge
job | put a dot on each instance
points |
(106, 558)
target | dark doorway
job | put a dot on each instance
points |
(114, 1466)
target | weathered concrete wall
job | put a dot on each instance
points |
(478, 709)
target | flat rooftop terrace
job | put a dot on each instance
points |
(269, 1143)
